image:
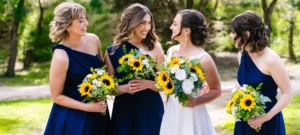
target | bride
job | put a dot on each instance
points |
(190, 31)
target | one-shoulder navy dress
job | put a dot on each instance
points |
(137, 114)
(67, 121)
(249, 74)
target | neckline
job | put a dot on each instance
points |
(246, 53)
(78, 51)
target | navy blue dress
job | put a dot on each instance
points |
(67, 121)
(249, 74)
(137, 114)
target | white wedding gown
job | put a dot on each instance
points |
(179, 120)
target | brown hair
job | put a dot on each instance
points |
(64, 14)
(194, 20)
(131, 18)
(252, 22)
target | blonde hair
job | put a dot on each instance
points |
(64, 14)
(131, 18)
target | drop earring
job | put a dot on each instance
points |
(185, 37)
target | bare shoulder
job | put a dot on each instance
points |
(91, 36)
(271, 57)
(206, 59)
(60, 60)
(60, 55)
(172, 49)
(158, 47)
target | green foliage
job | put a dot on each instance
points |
(37, 75)
(291, 115)
(23, 116)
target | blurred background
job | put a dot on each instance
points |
(25, 48)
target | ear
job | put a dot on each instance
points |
(187, 30)
(247, 34)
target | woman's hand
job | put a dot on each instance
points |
(140, 84)
(258, 121)
(192, 102)
(97, 106)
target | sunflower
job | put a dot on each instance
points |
(174, 61)
(229, 105)
(94, 76)
(124, 58)
(142, 57)
(85, 89)
(247, 103)
(107, 81)
(169, 87)
(136, 64)
(197, 69)
(163, 78)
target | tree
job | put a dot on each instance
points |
(268, 10)
(292, 21)
(18, 13)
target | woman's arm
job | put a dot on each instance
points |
(111, 71)
(58, 71)
(280, 76)
(213, 81)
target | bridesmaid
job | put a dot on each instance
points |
(138, 107)
(260, 64)
(73, 57)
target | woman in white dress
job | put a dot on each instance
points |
(190, 31)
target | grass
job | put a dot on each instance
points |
(37, 75)
(23, 116)
(291, 116)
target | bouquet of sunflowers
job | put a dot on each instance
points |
(182, 77)
(136, 64)
(97, 85)
(247, 102)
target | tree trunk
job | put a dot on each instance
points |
(14, 39)
(290, 40)
(189, 4)
(13, 50)
(202, 5)
(268, 10)
(41, 17)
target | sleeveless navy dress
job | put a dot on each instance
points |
(137, 114)
(249, 74)
(67, 121)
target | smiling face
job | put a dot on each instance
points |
(176, 28)
(78, 26)
(143, 28)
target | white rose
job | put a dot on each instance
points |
(142, 51)
(195, 78)
(100, 72)
(174, 69)
(187, 86)
(181, 61)
(146, 62)
(89, 76)
(180, 74)
(98, 84)
(95, 81)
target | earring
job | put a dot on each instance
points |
(185, 36)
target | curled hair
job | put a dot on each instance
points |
(64, 14)
(194, 20)
(252, 22)
(131, 18)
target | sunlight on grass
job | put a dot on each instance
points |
(23, 116)
(291, 116)
(37, 75)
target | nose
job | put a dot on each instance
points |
(148, 26)
(171, 27)
(86, 22)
